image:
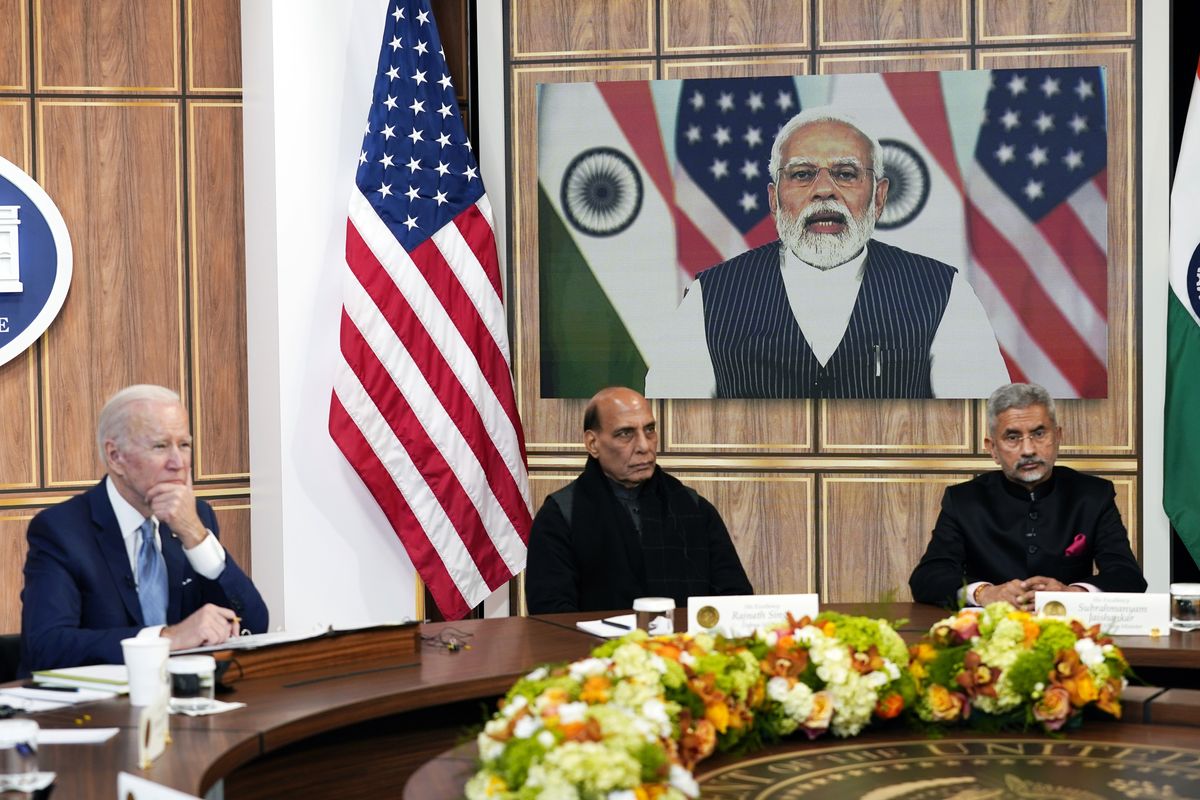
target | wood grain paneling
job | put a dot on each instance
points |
(233, 516)
(552, 424)
(452, 17)
(18, 434)
(759, 426)
(891, 23)
(18, 378)
(218, 290)
(214, 46)
(874, 529)
(937, 426)
(907, 62)
(110, 46)
(680, 69)
(1106, 426)
(569, 29)
(770, 518)
(114, 169)
(15, 139)
(1127, 504)
(14, 45)
(1031, 20)
(706, 26)
(12, 564)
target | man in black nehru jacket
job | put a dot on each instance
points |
(1032, 526)
(625, 528)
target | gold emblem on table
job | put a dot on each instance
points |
(1054, 608)
(961, 769)
(708, 616)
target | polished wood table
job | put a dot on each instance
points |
(360, 730)
(355, 731)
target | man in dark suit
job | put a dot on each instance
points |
(625, 528)
(826, 310)
(135, 555)
(1032, 526)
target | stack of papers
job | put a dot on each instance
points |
(608, 627)
(108, 679)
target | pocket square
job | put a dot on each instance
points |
(1076, 546)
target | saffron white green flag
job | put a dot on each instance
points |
(606, 240)
(1181, 496)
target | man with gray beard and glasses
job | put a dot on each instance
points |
(827, 311)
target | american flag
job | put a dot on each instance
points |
(423, 405)
(723, 139)
(1037, 220)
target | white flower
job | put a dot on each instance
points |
(876, 679)
(538, 674)
(546, 739)
(893, 672)
(655, 710)
(489, 748)
(570, 713)
(684, 781)
(622, 794)
(770, 637)
(587, 667)
(808, 634)
(526, 727)
(777, 689)
(687, 659)
(514, 705)
(1089, 652)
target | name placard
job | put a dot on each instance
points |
(1118, 613)
(739, 615)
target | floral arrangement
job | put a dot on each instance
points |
(633, 720)
(1015, 669)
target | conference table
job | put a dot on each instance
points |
(362, 729)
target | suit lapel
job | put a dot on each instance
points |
(175, 559)
(111, 545)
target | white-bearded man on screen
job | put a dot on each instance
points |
(826, 310)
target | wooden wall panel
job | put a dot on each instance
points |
(1127, 504)
(891, 23)
(18, 378)
(14, 45)
(114, 171)
(874, 529)
(706, 26)
(893, 62)
(730, 67)
(218, 290)
(14, 132)
(570, 29)
(110, 46)
(553, 424)
(12, 564)
(1031, 20)
(770, 518)
(18, 435)
(762, 426)
(233, 515)
(1091, 426)
(452, 22)
(214, 46)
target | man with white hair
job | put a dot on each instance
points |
(135, 555)
(827, 311)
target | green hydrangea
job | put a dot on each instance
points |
(861, 632)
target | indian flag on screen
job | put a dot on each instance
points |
(606, 243)
(1181, 500)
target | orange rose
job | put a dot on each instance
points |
(945, 705)
(595, 689)
(820, 716)
(1053, 709)
(718, 715)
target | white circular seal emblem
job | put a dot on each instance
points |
(35, 261)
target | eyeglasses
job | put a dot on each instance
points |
(1013, 440)
(844, 175)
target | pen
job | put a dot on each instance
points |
(620, 625)
(49, 688)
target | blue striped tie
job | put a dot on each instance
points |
(152, 579)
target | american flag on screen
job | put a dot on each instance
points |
(1037, 220)
(423, 405)
(723, 139)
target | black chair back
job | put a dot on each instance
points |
(10, 656)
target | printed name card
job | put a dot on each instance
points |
(739, 615)
(1118, 613)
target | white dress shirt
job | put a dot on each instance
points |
(965, 358)
(206, 558)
